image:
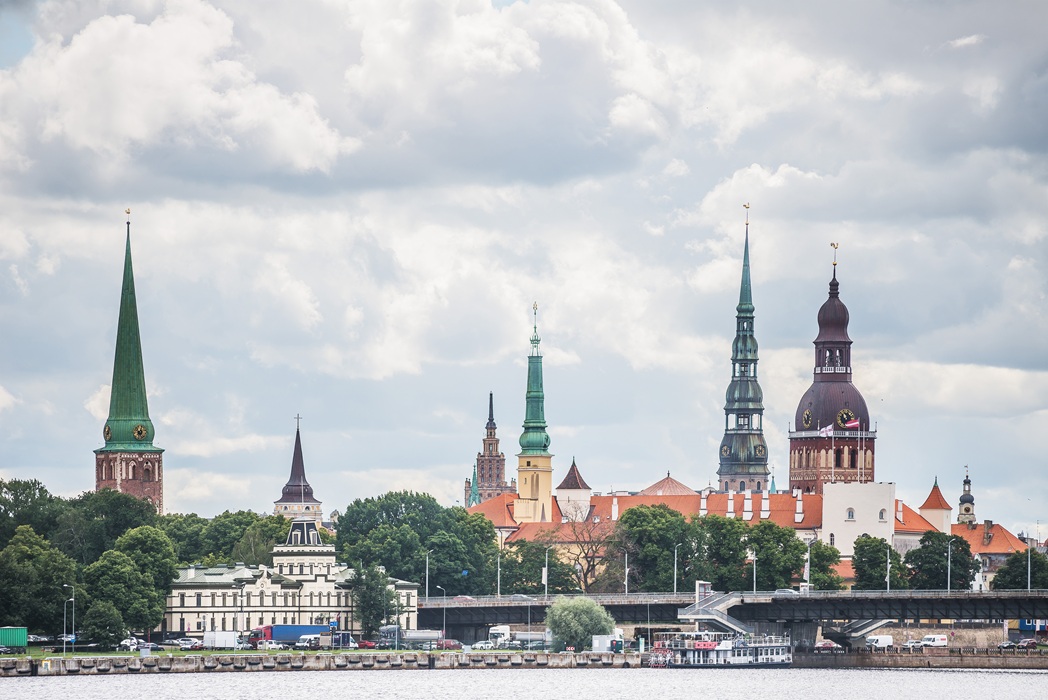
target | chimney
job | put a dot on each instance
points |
(702, 503)
(192, 571)
(615, 508)
(766, 506)
(987, 532)
(747, 505)
(730, 513)
(898, 510)
(798, 516)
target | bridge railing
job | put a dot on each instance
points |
(486, 601)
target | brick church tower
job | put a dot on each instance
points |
(129, 462)
(489, 471)
(832, 440)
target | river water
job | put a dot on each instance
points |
(544, 684)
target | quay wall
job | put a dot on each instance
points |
(248, 663)
(931, 658)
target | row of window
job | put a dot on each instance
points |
(288, 599)
(882, 515)
(742, 486)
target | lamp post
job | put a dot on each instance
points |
(72, 600)
(545, 574)
(65, 634)
(754, 553)
(444, 625)
(427, 574)
(626, 578)
(888, 568)
(238, 626)
(807, 563)
(675, 548)
(949, 563)
(498, 575)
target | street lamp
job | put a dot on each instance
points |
(754, 553)
(427, 574)
(237, 626)
(444, 625)
(675, 567)
(498, 575)
(888, 568)
(545, 573)
(626, 578)
(949, 562)
(73, 601)
(65, 634)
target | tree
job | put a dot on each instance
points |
(870, 559)
(1013, 573)
(103, 624)
(719, 551)
(187, 535)
(584, 547)
(821, 572)
(27, 502)
(94, 520)
(32, 574)
(256, 545)
(373, 600)
(930, 562)
(225, 530)
(574, 621)
(780, 555)
(154, 555)
(522, 563)
(116, 578)
(649, 534)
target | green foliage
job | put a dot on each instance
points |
(780, 555)
(373, 600)
(1012, 574)
(928, 563)
(187, 534)
(154, 555)
(649, 534)
(32, 574)
(823, 558)
(223, 532)
(256, 545)
(116, 578)
(522, 563)
(574, 621)
(719, 552)
(27, 502)
(103, 624)
(870, 560)
(94, 520)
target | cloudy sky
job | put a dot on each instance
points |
(346, 209)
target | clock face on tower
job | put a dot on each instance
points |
(806, 418)
(725, 450)
(107, 433)
(844, 416)
(139, 432)
(759, 450)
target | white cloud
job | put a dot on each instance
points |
(966, 41)
(97, 404)
(6, 400)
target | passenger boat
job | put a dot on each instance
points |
(719, 650)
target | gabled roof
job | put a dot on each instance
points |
(667, 487)
(573, 479)
(780, 507)
(935, 500)
(912, 521)
(499, 510)
(1000, 540)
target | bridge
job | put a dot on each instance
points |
(465, 617)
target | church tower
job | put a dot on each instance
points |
(534, 463)
(743, 450)
(832, 440)
(296, 499)
(966, 513)
(129, 462)
(489, 469)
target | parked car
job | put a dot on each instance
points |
(827, 644)
(366, 644)
(483, 645)
(184, 640)
(272, 645)
(449, 644)
(536, 644)
(191, 645)
(6, 650)
(1006, 644)
(464, 598)
(935, 640)
(785, 591)
(1027, 644)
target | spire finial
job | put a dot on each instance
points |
(298, 421)
(835, 246)
(746, 206)
(535, 329)
(128, 212)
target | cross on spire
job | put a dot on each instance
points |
(298, 421)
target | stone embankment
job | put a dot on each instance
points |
(958, 657)
(246, 663)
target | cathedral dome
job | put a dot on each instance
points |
(833, 316)
(831, 403)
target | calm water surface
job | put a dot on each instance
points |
(545, 684)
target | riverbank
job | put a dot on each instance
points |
(993, 659)
(247, 663)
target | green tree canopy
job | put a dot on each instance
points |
(256, 544)
(823, 558)
(1013, 573)
(522, 563)
(116, 578)
(929, 563)
(223, 532)
(186, 531)
(719, 551)
(574, 621)
(649, 534)
(95, 519)
(870, 561)
(32, 575)
(373, 600)
(780, 555)
(154, 555)
(27, 502)
(103, 624)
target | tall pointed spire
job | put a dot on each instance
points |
(296, 498)
(128, 427)
(491, 411)
(743, 450)
(534, 440)
(474, 490)
(129, 462)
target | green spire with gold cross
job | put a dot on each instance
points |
(535, 440)
(128, 428)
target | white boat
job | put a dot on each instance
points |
(719, 650)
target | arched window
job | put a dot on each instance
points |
(851, 514)
(758, 486)
(742, 486)
(883, 515)
(146, 474)
(833, 539)
(726, 486)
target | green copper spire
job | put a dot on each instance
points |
(474, 492)
(128, 427)
(535, 440)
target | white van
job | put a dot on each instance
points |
(880, 641)
(308, 641)
(934, 640)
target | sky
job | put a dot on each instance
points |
(345, 211)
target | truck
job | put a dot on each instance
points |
(220, 640)
(504, 637)
(14, 638)
(394, 637)
(285, 634)
(608, 642)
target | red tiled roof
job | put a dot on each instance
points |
(912, 521)
(845, 570)
(1001, 541)
(667, 487)
(781, 506)
(935, 500)
(499, 510)
(573, 479)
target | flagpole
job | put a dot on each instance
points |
(833, 457)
